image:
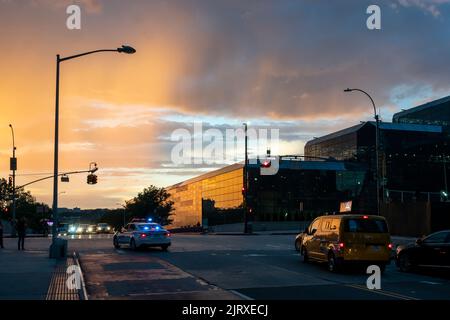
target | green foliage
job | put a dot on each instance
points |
(151, 202)
(115, 218)
(26, 206)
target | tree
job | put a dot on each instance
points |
(151, 202)
(26, 205)
(115, 217)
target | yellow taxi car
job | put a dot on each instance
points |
(343, 239)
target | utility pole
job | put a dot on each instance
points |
(123, 49)
(13, 167)
(246, 181)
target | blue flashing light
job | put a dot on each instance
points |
(157, 228)
(146, 228)
(149, 219)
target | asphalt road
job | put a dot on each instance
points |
(233, 267)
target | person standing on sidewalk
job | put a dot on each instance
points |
(21, 231)
(1, 234)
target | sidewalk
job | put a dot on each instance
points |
(25, 274)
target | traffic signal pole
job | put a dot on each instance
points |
(246, 182)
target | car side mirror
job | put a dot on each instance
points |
(419, 242)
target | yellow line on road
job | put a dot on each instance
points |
(382, 292)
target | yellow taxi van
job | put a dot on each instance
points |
(344, 239)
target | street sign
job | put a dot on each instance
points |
(12, 164)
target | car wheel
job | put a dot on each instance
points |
(297, 245)
(164, 247)
(133, 245)
(332, 266)
(305, 255)
(404, 263)
(116, 243)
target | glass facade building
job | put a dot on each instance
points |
(412, 158)
(299, 190)
(436, 112)
(215, 191)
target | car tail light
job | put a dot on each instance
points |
(143, 235)
(365, 217)
(390, 246)
(341, 245)
(167, 234)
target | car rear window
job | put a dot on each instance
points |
(366, 225)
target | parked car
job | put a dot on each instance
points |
(103, 228)
(137, 235)
(432, 251)
(347, 239)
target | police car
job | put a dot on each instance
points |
(142, 234)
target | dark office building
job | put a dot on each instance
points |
(413, 156)
(436, 112)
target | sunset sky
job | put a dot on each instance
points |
(280, 64)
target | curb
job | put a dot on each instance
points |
(82, 291)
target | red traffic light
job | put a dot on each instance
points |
(266, 164)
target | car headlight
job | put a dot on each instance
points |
(108, 228)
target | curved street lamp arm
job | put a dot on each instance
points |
(373, 103)
(86, 53)
(12, 132)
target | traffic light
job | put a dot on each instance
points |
(10, 181)
(92, 179)
(266, 164)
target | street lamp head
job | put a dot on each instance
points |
(10, 125)
(126, 49)
(348, 90)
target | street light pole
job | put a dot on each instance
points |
(245, 181)
(377, 143)
(123, 49)
(13, 167)
(55, 157)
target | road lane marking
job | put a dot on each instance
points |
(382, 292)
(243, 296)
(430, 282)
(254, 255)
